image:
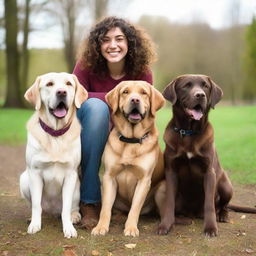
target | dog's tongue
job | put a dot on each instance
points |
(60, 112)
(135, 116)
(196, 114)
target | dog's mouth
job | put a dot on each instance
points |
(60, 111)
(134, 116)
(196, 112)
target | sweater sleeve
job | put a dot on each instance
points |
(82, 76)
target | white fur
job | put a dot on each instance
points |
(50, 182)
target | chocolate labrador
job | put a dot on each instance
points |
(196, 184)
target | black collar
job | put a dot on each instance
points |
(51, 131)
(183, 132)
(132, 140)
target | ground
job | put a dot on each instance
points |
(235, 238)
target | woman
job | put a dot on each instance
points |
(114, 51)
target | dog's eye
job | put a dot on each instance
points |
(68, 83)
(188, 84)
(204, 84)
(49, 84)
(143, 92)
(125, 92)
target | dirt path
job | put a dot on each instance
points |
(235, 238)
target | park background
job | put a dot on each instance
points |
(216, 38)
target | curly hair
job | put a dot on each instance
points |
(141, 52)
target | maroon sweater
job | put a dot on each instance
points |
(97, 86)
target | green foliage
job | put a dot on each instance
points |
(250, 61)
(235, 136)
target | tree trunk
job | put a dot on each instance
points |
(13, 97)
(25, 52)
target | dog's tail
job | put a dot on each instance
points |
(238, 208)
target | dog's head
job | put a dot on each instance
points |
(135, 100)
(196, 94)
(56, 93)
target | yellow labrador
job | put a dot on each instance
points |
(132, 157)
(50, 181)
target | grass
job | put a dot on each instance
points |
(13, 126)
(235, 136)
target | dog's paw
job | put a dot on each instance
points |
(34, 227)
(162, 230)
(69, 231)
(99, 230)
(131, 231)
(75, 217)
(210, 231)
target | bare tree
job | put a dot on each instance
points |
(13, 97)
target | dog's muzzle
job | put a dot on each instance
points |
(134, 114)
(60, 110)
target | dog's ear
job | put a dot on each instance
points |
(112, 98)
(216, 93)
(170, 92)
(32, 95)
(81, 93)
(157, 100)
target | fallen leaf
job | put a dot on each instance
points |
(130, 246)
(249, 250)
(95, 253)
(69, 252)
(243, 216)
(194, 253)
(109, 254)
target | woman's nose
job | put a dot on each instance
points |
(113, 43)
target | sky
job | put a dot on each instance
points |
(215, 12)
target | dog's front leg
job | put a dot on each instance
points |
(67, 197)
(210, 223)
(108, 198)
(36, 187)
(168, 218)
(138, 200)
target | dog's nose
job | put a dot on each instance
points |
(61, 93)
(135, 100)
(199, 94)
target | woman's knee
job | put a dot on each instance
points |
(94, 110)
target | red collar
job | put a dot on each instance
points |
(51, 131)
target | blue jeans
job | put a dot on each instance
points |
(94, 118)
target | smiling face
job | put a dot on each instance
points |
(114, 46)
(194, 93)
(54, 94)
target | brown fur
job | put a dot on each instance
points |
(133, 172)
(197, 186)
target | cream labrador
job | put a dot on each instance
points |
(50, 182)
(132, 156)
